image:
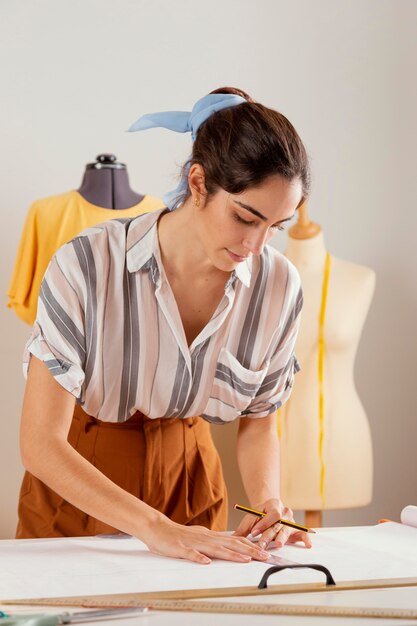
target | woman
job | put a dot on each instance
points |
(148, 322)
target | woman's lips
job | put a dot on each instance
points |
(236, 257)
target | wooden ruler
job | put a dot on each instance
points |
(196, 606)
(176, 597)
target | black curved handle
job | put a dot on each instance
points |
(278, 568)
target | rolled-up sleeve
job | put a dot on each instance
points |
(58, 335)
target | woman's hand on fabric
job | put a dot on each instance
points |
(268, 527)
(199, 544)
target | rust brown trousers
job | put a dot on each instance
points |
(171, 464)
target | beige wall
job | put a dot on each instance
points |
(75, 75)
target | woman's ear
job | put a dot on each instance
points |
(197, 184)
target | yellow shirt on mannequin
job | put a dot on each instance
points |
(50, 223)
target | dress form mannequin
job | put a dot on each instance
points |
(336, 473)
(106, 184)
(54, 220)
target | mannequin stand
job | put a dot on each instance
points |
(314, 519)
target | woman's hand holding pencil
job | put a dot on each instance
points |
(274, 522)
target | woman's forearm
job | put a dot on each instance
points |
(258, 458)
(76, 480)
(46, 417)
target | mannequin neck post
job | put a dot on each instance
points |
(307, 253)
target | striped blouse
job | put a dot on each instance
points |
(109, 331)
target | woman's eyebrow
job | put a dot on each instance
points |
(255, 212)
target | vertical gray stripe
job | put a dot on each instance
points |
(299, 303)
(197, 365)
(130, 367)
(158, 354)
(181, 386)
(85, 258)
(104, 327)
(135, 342)
(294, 313)
(251, 324)
(62, 321)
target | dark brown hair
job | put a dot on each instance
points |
(241, 146)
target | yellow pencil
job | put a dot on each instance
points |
(284, 522)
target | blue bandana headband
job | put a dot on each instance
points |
(185, 122)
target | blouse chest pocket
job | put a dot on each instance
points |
(233, 389)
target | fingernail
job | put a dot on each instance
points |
(265, 554)
(262, 544)
(278, 544)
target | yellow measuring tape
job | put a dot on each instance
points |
(321, 351)
(322, 319)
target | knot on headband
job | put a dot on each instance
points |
(184, 122)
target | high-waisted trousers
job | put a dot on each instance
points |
(171, 464)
